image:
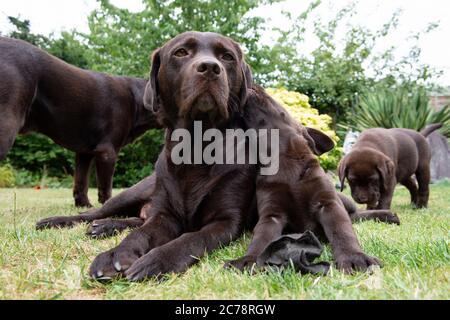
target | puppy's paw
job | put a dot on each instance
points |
(392, 218)
(102, 229)
(245, 262)
(151, 265)
(112, 263)
(356, 262)
(55, 222)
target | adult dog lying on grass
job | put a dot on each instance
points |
(197, 208)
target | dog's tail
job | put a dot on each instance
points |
(430, 128)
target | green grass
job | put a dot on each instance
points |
(53, 264)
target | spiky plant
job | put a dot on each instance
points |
(399, 109)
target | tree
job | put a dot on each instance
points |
(121, 41)
(336, 73)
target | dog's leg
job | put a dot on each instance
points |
(376, 215)
(337, 226)
(127, 203)
(269, 227)
(158, 230)
(410, 184)
(386, 197)
(109, 227)
(423, 179)
(179, 254)
(10, 124)
(361, 215)
(81, 180)
(105, 162)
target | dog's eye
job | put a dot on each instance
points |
(181, 53)
(228, 57)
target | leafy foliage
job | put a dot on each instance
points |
(7, 178)
(121, 41)
(136, 160)
(336, 72)
(399, 109)
(298, 106)
(36, 152)
(333, 76)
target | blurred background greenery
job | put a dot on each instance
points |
(334, 76)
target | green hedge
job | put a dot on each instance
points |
(35, 160)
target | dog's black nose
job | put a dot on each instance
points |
(209, 67)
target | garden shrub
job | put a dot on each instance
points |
(7, 178)
(299, 108)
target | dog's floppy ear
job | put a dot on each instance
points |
(247, 83)
(386, 170)
(342, 170)
(152, 90)
(318, 141)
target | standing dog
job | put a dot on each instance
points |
(381, 158)
(197, 208)
(87, 112)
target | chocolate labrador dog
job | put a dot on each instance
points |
(90, 113)
(381, 158)
(300, 196)
(196, 208)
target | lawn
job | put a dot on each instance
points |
(53, 264)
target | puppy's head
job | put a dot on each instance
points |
(198, 76)
(368, 172)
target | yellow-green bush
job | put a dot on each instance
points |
(299, 108)
(7, 178)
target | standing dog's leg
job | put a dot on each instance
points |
(423, 179)
(410, 184)
(81, 180)
(105, 162)
(16, 96)
(8, 132)
(11, 121)
(386, 197)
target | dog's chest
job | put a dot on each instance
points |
(193, 185)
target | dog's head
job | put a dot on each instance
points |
(368, 172)
(198, 76)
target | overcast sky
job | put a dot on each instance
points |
(48, 16)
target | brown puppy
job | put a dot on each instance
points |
(196, 208)
(90, 113)
(381, 158)
(300, 196)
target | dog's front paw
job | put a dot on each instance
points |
(356, 262)
(245, 262)
(102, 229)
(112, 263)
(392, 218)
(55, 222)
(153, 264)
